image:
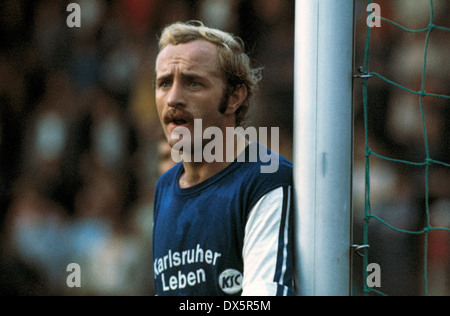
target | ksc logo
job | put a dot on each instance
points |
(230, 281)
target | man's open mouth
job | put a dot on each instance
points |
(177, 118)
(179, 121)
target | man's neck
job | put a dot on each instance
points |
(198, 172)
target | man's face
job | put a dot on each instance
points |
(189, 85)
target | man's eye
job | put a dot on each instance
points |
(164, 84)
(195, 84)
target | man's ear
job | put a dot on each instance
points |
(236, 99)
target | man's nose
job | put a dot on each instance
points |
(176, 96)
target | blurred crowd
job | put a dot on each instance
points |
(80, 141)
(395, 130)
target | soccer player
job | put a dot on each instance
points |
(220, 227)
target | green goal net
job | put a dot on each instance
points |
(410, 85)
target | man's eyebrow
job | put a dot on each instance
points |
(163, 77)
(186, 76)
(192, 76)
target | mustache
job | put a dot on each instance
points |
(177, 115)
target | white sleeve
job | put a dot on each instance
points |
(267, 251)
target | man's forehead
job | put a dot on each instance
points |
(199, 52)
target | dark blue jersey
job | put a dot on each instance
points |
(230, 235)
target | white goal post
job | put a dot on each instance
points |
(323, 146)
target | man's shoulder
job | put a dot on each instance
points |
(270, 165)
(169, 176)
(265, 175)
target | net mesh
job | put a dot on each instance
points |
(423, 161)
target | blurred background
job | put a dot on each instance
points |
(395, 130)
(80, 141)
(81, 146)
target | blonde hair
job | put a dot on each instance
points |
(234, 62)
